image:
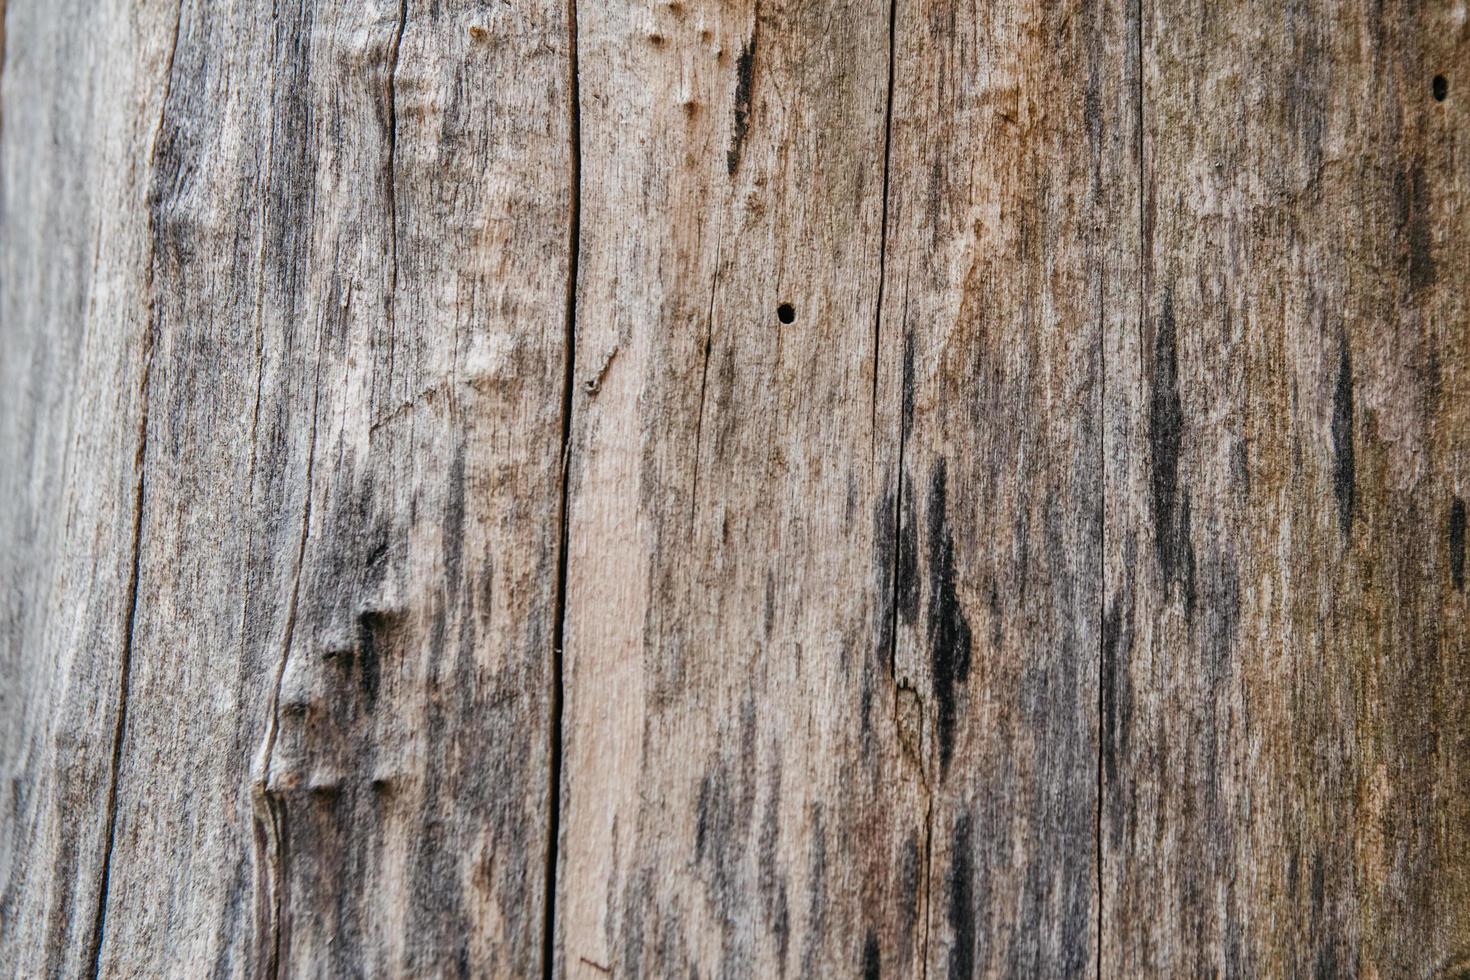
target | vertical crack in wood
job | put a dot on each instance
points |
(1144, 250)
(268, 831)
(558, 627)
(271, 842)
(145, 381)
(1344, 478)
(894, 584)
(392, 99)
(709, 325)
(1144, 243)
(883, 218)
(125, 665)
(897, 568)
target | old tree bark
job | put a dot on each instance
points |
(743, 488)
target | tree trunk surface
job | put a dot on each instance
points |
(747, 488)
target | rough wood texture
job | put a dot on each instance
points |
(77, 115)
(325, 313)
(736, 799)
(1012, 242)
(733, 487)
(1286, 659)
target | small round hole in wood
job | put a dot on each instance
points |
(786, 313)
(1441, 88)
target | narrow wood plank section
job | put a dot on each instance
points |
(1012, 252)
(736, 799)
(1287, 710)
(316, 329)
(77, 128)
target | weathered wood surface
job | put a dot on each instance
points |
(77, 114)
(1012, 245)
(733, 488)
(735, 795)
(317, 273)
(1286, 670)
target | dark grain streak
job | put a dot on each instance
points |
(949, 630)
(375, 638)
(559, 612)
(1414, 223)
(907, 558)
(453, 527)
(1172, 539)
(1456, 541)
(1344, 468)
(744, 80)
(872, 962)
(961, 908)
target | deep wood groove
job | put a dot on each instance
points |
(883, 219)
(895, 585)
(709, 327)
(271, 838)
(391, 173)
(124, 670)
(553, 836)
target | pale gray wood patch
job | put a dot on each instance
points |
(78, 122)
(319, 281)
